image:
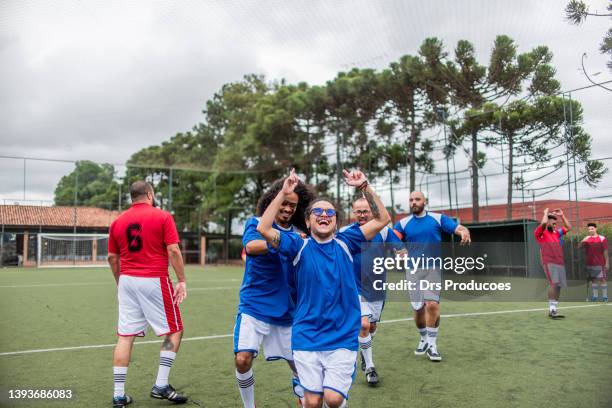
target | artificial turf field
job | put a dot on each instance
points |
(505, 359)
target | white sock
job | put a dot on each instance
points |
(552, 305)
(432, 335)
(604, 290)
(423, 333)
(373, 334)
(166, 359)
(365, 344)
(119, 374)
(246, 384)
(595, 288)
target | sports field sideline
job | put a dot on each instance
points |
(59, 332)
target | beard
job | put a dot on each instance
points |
(417, 209)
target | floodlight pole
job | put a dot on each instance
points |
(574, 160)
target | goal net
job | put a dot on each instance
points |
(72, 249)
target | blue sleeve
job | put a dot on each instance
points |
(353, 238)
(290, 244)
(250, 232)
(398, 227)
(391, 237)
(394, 240)
(448, 224)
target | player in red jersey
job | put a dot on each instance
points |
(549, 239)
(141, 242)
(597, 261)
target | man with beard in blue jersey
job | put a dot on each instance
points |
(372, 301)
(327, 314)
(265, 311)
(422, 230)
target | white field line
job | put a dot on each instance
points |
(222, 336)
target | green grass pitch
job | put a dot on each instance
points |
(520, 359)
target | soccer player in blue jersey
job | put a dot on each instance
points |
(265, 311)
(423, 231)
(372, 301)
(327, 315)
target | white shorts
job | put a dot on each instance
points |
(147, 302)
(596, 272)
(424, 278)
(371, 309)
(334, 370)
(555, 274)
(250, 334)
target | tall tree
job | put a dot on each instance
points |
(89, 184)
(509, 76)
(353, 99)
(414, 85)
(532, 130)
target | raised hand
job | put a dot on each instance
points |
(354, 178)
(290, 183)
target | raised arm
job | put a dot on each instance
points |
(266, 221)
(256, 247)
(566, 222)
(381, 217)
(544, 219)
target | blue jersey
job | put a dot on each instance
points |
(327, 314)
(266, 287)
(425, 233)
(365, 277)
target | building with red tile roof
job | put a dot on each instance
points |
(20, 225)
(90, 218)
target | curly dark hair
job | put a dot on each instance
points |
(305, 196)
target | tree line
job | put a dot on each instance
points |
(254, 130)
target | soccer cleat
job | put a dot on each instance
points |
(168, 393)
(421, 348)
(593, 299)
(121, 402)
(363, 364)
(605, 300)
(371, 376)
(433, 354)
(553, 314)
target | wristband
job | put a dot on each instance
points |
(363, 186)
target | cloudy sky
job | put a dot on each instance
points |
(99, 80)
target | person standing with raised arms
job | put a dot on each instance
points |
(328, 315)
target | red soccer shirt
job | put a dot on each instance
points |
(550, 245)
(140, 236)
(594, 248)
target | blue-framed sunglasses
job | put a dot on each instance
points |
(330, 212)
